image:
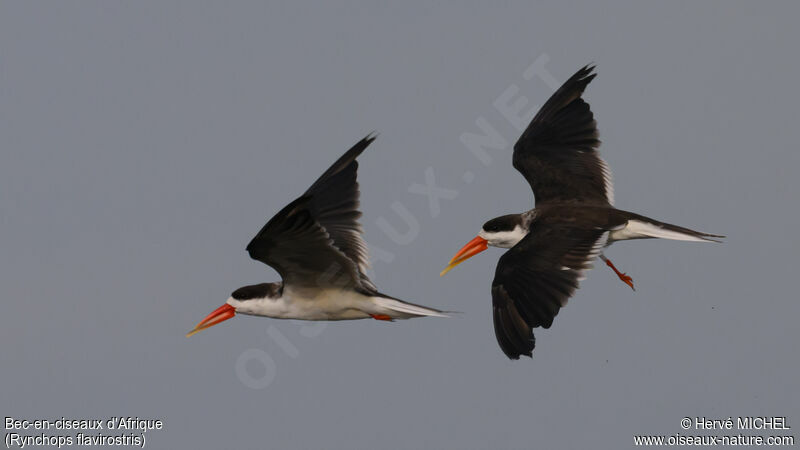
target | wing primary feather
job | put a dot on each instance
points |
(557, 152)
(531, 286)
(316, 239)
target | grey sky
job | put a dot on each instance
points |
(144, 144)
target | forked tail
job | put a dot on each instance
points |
(641, 227)
(399, 309)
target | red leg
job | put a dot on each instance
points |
(624, 277)
(382, 317)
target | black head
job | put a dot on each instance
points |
(503, 223)
(262, 290)
(504, 231)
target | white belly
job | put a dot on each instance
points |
(309, 304)
(330, 304)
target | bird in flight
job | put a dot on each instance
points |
(552, 245)
(315, 244)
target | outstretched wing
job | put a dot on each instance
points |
(557, 153)
(535, 278)
(316, 239)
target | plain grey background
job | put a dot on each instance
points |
(144, 143)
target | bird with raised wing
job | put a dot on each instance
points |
(315, 244)
(552, 245)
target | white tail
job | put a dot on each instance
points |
(640, 229)
(402, 310)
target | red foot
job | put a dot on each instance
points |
(382, 317)
(624, 277)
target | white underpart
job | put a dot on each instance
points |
(504, 239)
(328, 304)
(637, 229)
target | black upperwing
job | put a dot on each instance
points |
(316, 239)
(535, 278)
(557, 153)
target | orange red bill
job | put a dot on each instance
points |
(220, 314)
(472, 248)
